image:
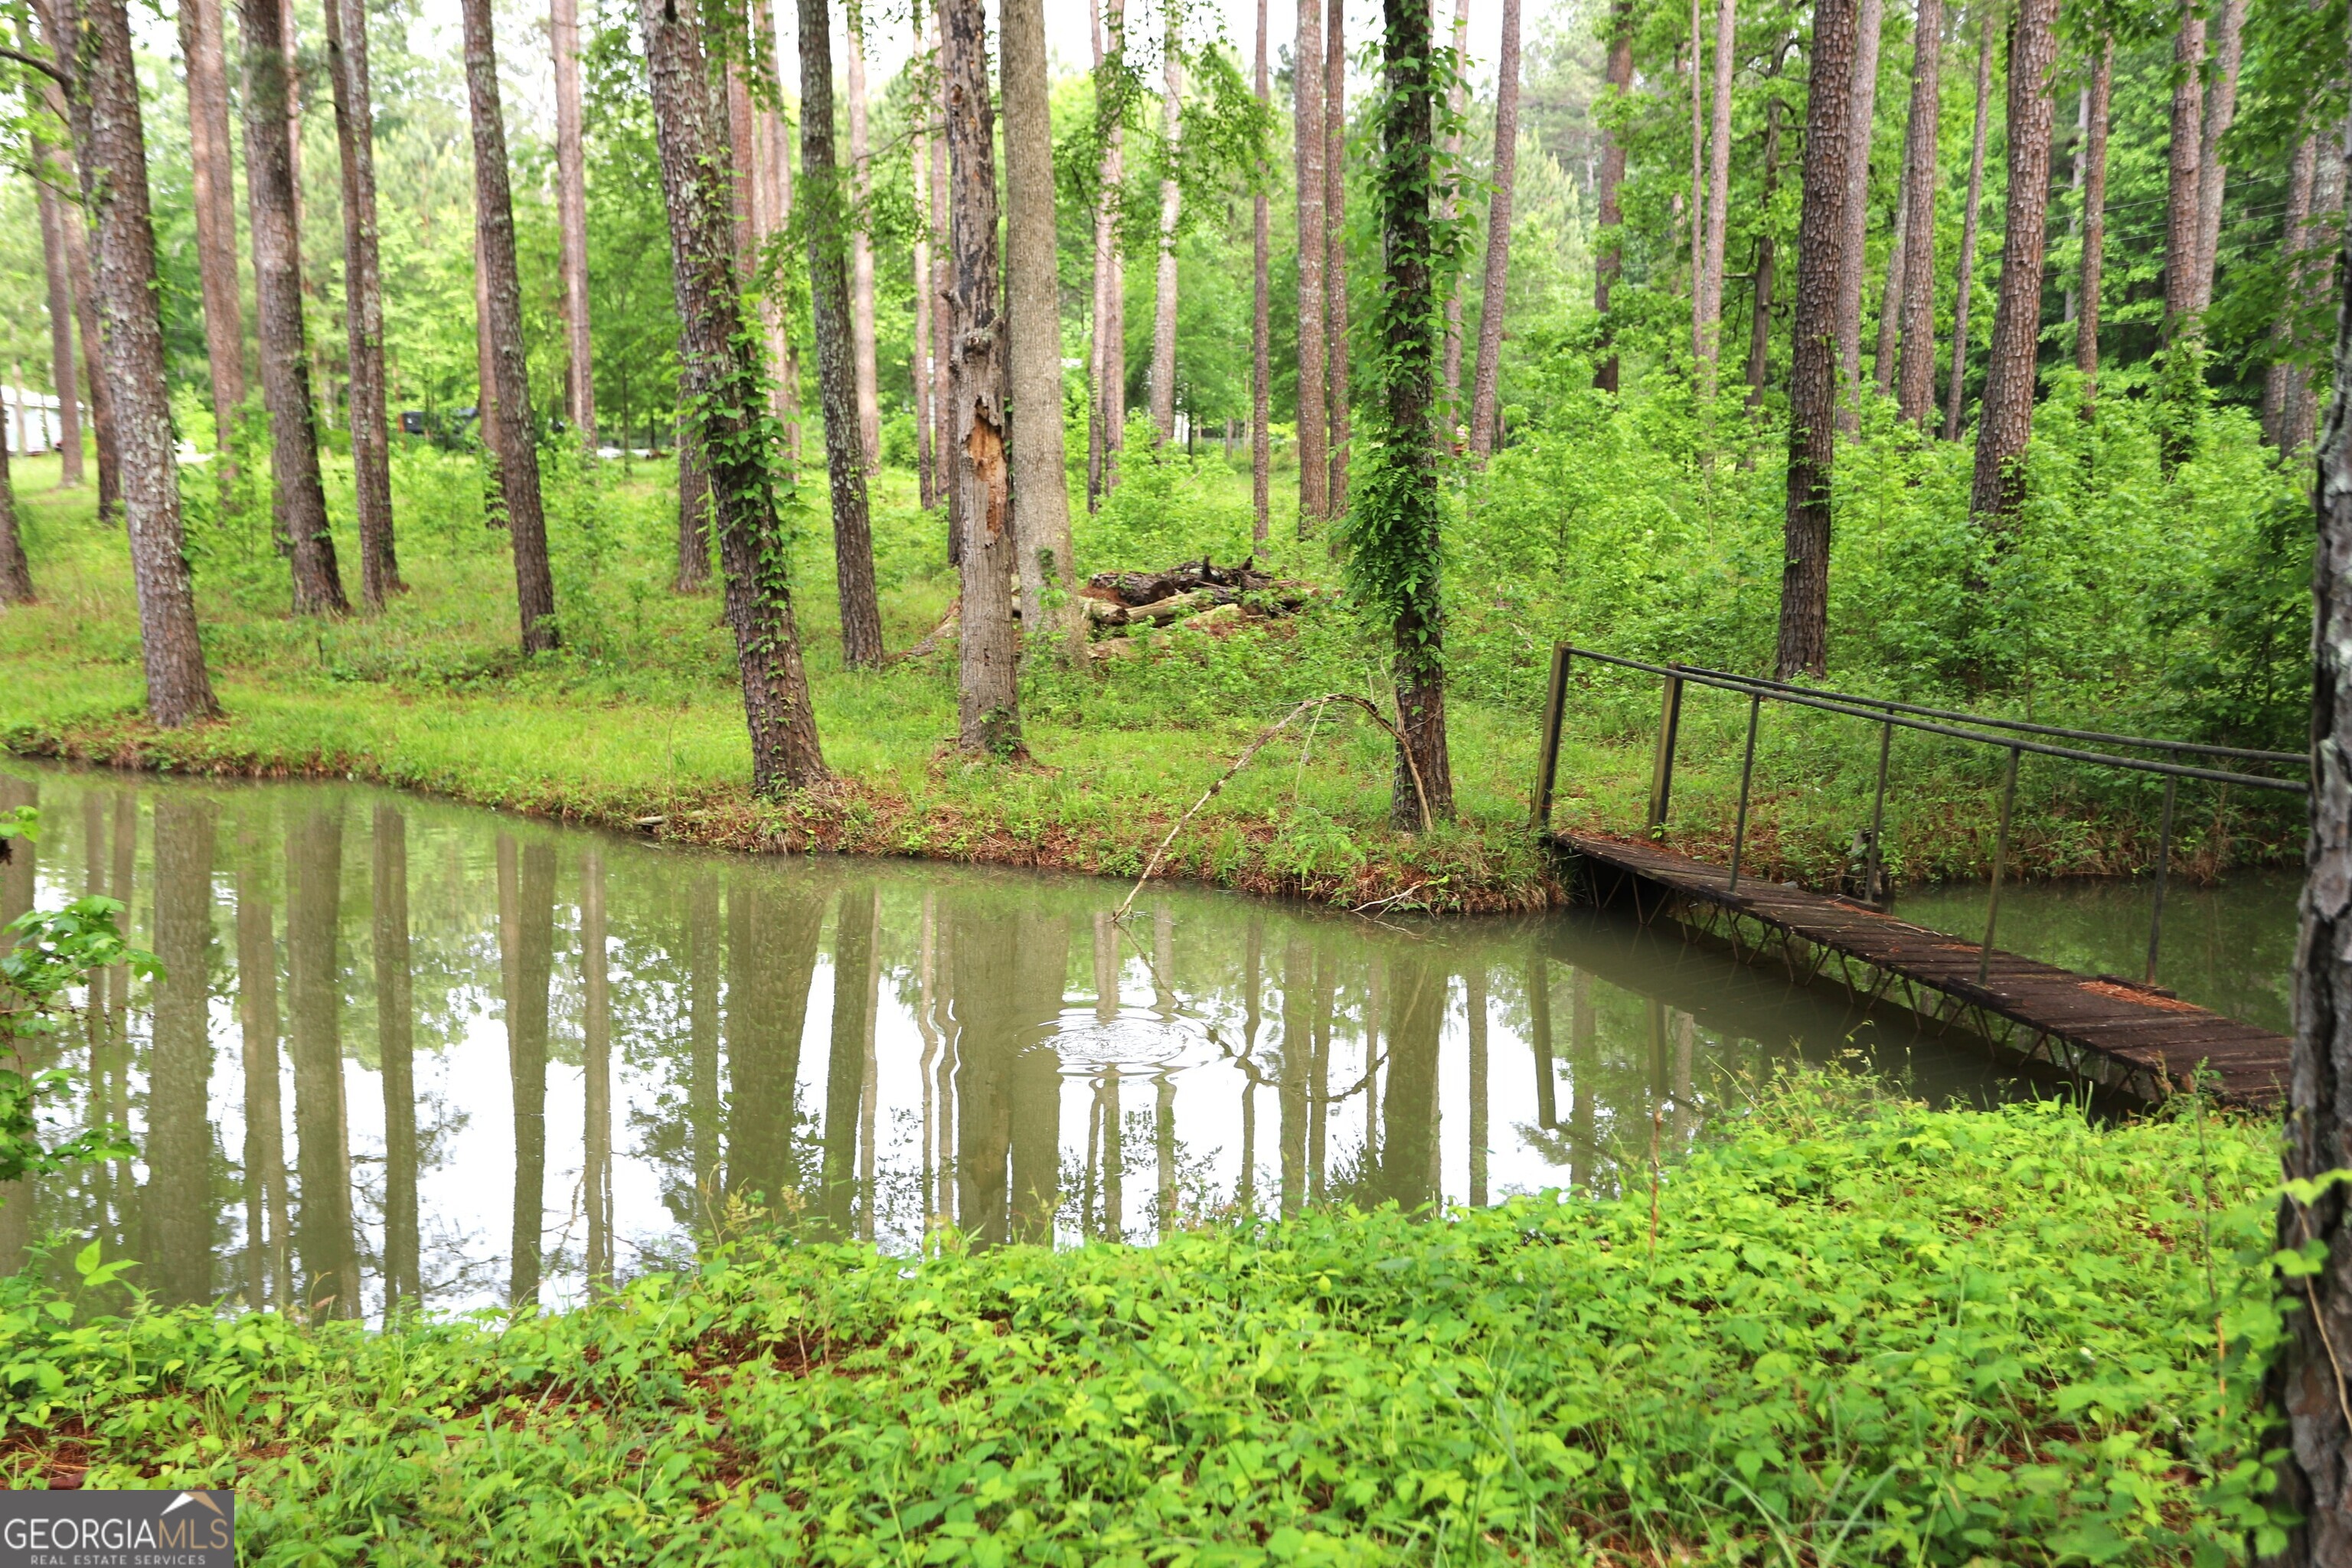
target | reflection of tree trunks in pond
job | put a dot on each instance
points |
(532, 966)
(702, 1032)
(1113, 1223)
(324, 1246)
(1655, 1012)
(854, 976)
(1583, 1074)
(403, 1285)
(1252, 947)
(1163, 964)
(1416, 1018)
(1679, 1087)
(177, 1204)
(1007, 975)
(926, 1025)
(771, 941)
(1474, 982)
(1539, 1036)
(266, 1278)
(1375, 1014)
(1298, 1050)
(1319, 1079)
(16, 898)
(596, 1051)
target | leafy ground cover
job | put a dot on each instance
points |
(1854, 1329)
(2125, 600)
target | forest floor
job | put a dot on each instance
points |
(1852, 1329)
(636, 724)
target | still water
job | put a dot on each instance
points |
(410, 1052)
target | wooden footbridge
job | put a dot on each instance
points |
(2129, 1035)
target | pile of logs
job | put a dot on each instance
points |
(1117, 601)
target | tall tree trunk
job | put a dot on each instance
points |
(1485, 377)
(2280, 376)
(1762, 292)
(987, 697)
(1314, 422)
(1719, 196)
(572, 218)
(918, 182)
(16, 571)
(110, 145)
(1909, 318)
(1853, 261)
(693, 510)
(943, 416)
(301, 498)
(827, 221)
(2005, 417)
(73, 185)
(2315, 274)
(719, 381)
(2074, 224)
(1261, 322)
(1050, 617)
(1965, 290)
(53, 178)
(486, 385)
(1336, 354)
(2094, 223)
(2305, 1386)
(1163, 292)
(1449, 210)
(1106, 366)
(2184, 173)
(517, 448)
(1890, 296)
(2220, 109)
(347, 61)
(1610, 219)
(1829, 137)
(1394, 535)
(1697, 62)
(861, 255)
(205, 50)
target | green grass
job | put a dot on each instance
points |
(1854, 1330)
(637, 720)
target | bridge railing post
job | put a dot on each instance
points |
(1999, 864)
(1878, 816)
(1547, 755)
(1746, 771)
(1661, 770)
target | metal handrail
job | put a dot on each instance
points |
(1890, 715)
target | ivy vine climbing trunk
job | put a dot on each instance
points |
(572, 219)
(517, 446)
(721, 385)
(1608, 217)
(1392, 532)
(110, 145)
(2095, 222)
(2005, 416)
(825, 218)
(204, 48)
(2307, 1385)
(300, 497)
(1812, 363)
(1486, 374)
(1914, 374)
(1965, 282)
(347, 64)
(1307, 106)
(988, 699)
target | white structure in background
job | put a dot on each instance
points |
(31, 420)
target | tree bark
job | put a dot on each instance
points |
(572, 218)
(943, 418)
(1610, 219)
(1853, 253)
(1697, 62)
(918, 182)
(1314, 417)
(1400, 506)
(300, 497)
(1761, 293)
(1812, 366)
(73, 186)
(1914, 295)
(2315, 1473)
(693, 510)
(53, 177)
(861, 256)
(1719, 196)
(204, 48)
(721, 382)
(16, 571)
(827, 220)
(1106, 352)
(1336, 354)
(347, 61)
(1449, 211)
(2220, 109)
(988, 697)
(1050, 618)
(2315, 273)
(1163, 292)
(2184, 174)
(110, 148)
(2005, 417)
(2094, 223)
(485, 385)
(1486, 377)
(2280, 377)
(1890, 296)
(1965, 292)
(1261, 322)
(517, 448)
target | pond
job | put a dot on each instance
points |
(409, 1052)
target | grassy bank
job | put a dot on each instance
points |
(636, 723)
(1855, 1330)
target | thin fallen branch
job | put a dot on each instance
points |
(1316, 704)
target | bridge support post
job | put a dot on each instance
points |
(1547, 755)
(1661, 770)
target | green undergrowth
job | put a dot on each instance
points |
(1851, 1331)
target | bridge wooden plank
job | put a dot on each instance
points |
(2140, 1030)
